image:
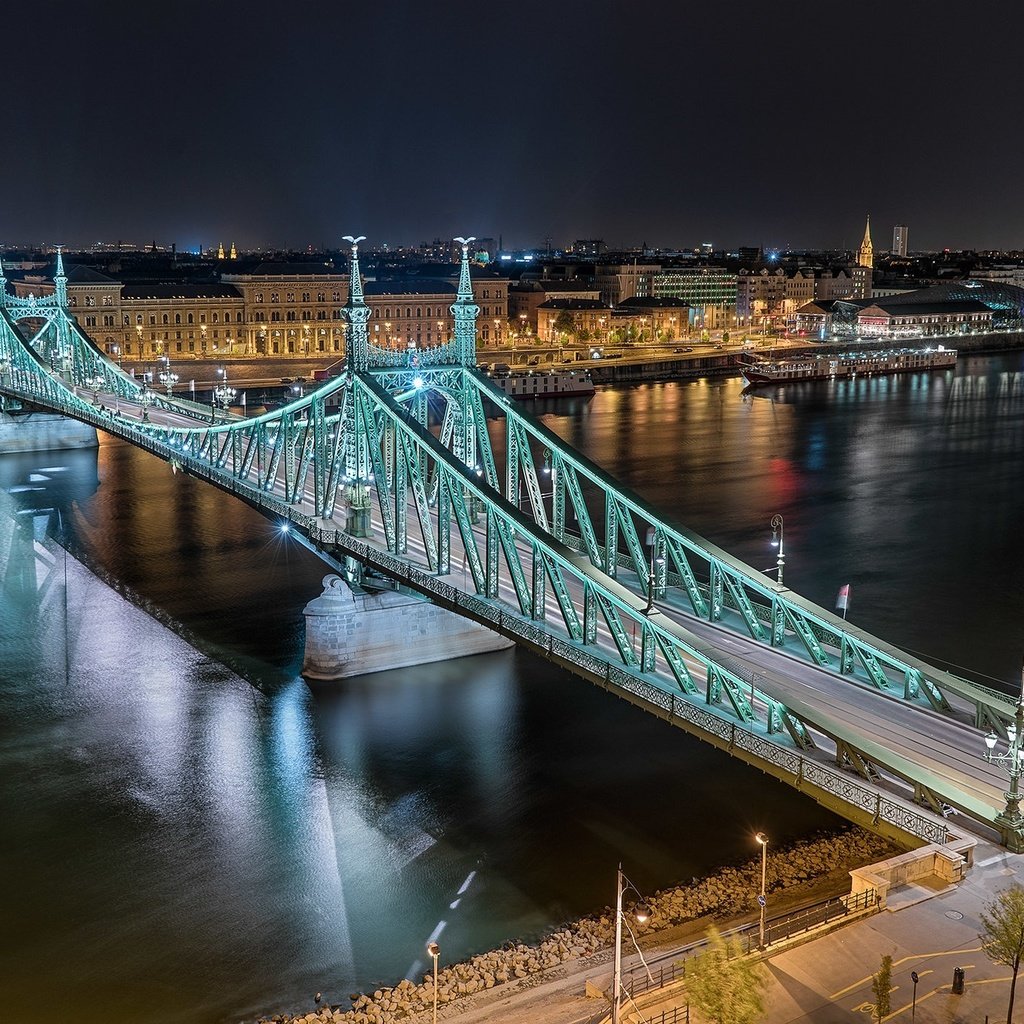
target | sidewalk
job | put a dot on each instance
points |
(827, 980)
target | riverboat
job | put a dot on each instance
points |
(553, 384)
(849, 364)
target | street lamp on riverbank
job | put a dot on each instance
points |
(762, 899)
(435, 951)
(622, 883)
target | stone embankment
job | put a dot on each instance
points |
(728, 892)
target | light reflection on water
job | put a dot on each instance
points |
(194, 847)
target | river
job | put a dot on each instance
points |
(194, 836)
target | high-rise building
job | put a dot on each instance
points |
(899, 240)
(866, 256)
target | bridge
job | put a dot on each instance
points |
(411, 467)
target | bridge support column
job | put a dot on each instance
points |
(43, 432)
(351, 634)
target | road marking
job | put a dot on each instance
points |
(999, 857)
(896, 963)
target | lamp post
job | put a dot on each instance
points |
(224, 393)
(166, 377)
(913, 1004)
(778, 541)
(1009, 820)
(640, 911)
(762, 899)
(435, 951)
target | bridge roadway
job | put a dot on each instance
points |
(903, 740)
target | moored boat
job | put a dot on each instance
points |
(849, 364)
(553, 384)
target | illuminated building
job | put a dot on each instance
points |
(866, 254)
(899, 240)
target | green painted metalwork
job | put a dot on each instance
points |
(357, 457)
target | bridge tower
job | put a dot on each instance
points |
(3, 286)
(356, 313)
(465, 311)
(66, 356)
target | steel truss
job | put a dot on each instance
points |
(400, 462)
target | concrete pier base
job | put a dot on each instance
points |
(351, 634)
(43, 432)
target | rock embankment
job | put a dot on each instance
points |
(728, 892)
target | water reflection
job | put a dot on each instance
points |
(194, 846)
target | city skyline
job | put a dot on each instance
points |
(662, 124)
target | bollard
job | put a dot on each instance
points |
(958, 981)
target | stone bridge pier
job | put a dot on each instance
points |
(354, 634)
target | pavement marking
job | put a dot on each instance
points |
(991, 860)
(896, 963)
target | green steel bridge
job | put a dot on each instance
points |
(391, 473)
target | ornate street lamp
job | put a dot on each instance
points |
(1009, 820)
(640, 912)
(167, 378)
(223, 392)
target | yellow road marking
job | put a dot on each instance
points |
(906, 959)
(868, 1007)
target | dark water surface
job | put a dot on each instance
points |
(185, 842)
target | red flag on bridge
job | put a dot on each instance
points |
(843, 599)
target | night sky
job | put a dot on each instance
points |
(671, 123)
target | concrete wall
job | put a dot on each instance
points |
(43, 432)
(355, 634)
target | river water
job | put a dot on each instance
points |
(192, 835)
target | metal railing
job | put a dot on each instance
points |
(670, 967)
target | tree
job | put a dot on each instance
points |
(881, 986)
(565, 323)
(723, 985)
(1003, 937)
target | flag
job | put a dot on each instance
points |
(650, 536)
(843, 598)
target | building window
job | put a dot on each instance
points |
(259, 296)
(191, 319)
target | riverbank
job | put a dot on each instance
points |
(585, 944)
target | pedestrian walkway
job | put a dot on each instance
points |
(828, 980)
(930, 929)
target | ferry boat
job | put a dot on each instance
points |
(544, 384)
(849, 364)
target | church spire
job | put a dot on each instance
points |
(866, 256)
